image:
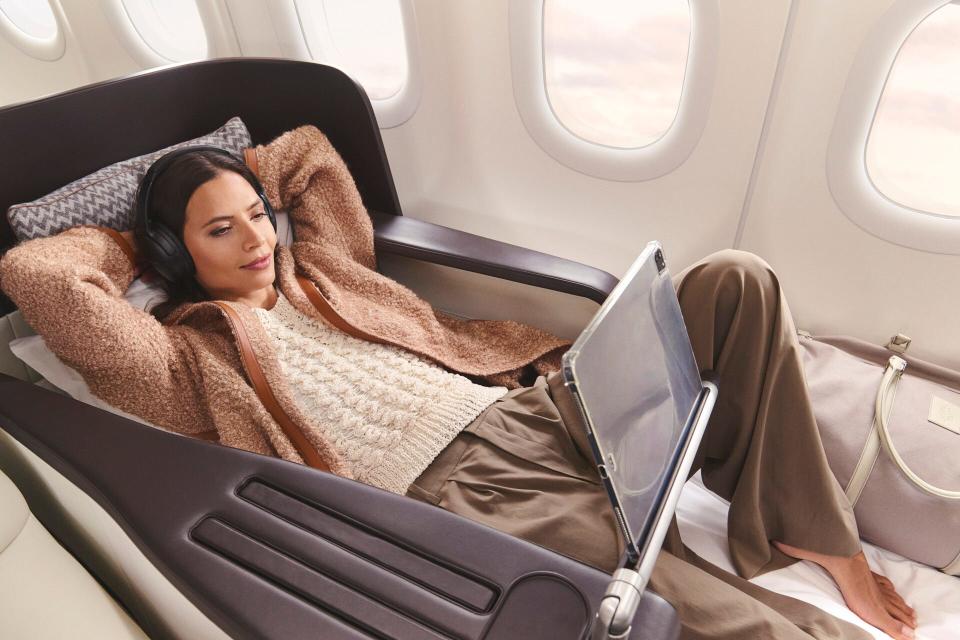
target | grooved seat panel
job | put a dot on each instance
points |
(468, 592)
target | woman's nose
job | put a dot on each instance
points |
(253, 237)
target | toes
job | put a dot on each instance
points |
(894, 620)
(881, 613)
(897, 630)
(902, 614)
(902, 611)
(895, 604)
(901, 603)
(909, 613)
(873, 597)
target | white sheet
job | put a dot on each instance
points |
(702, 517)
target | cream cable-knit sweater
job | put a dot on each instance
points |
(393, 411)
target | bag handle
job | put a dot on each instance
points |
(258, 380)
(884, 404)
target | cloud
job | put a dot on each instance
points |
(614, 73)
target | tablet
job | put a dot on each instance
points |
(634, 379)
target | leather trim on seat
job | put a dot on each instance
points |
(435, 243)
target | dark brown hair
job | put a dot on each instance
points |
(169, 195)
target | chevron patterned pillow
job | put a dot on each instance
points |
(106, 197)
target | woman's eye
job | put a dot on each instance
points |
(220, 231)
(259, 215)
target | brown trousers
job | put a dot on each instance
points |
(524, 466)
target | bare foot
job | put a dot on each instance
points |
(869, 595)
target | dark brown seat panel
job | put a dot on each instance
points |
(267, 548)
(442, 245)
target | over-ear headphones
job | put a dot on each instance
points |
(161, 245)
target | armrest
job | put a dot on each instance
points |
(267, 548)
(400, 235)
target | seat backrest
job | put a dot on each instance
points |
(54, 140)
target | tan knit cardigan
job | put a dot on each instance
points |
(186, 374)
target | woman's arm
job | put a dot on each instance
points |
(69, 288)
(302, 173)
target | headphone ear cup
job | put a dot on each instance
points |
(167, 254)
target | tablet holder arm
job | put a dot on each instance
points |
(619, 606)
(614, 619)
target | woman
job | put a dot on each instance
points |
(390, 392)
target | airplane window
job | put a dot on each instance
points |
(913, 150)
(173, 29)
(614, 68)
(363, 37)
(32, 17)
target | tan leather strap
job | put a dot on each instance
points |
(320, 304)
(121, 241)
(252, 161)
(259, 382)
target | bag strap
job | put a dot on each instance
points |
(326, 310)
(884, 403)
(259, 382)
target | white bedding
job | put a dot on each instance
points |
(702, 517)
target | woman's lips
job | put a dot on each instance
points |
(262, 263)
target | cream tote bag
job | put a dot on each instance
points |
(890, 426)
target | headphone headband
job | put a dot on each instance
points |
(162, 246)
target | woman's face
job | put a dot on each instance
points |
(231, 240)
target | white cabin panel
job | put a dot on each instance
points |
(31, 69)
(838, 277)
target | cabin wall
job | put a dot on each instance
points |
(838, 277)
(26, 77)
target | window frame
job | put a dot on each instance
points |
(594, 159)
(400, 107)
(137, 46)
(846, 163)
(47, 49)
